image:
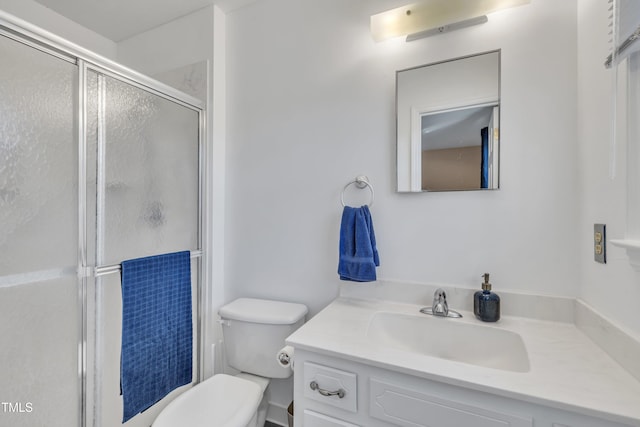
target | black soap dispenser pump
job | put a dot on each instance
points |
(486, 304)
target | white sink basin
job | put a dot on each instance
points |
(450, 339)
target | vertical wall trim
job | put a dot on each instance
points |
(216, 132)
(202, 260)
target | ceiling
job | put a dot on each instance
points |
(120, 19)
(455, 129)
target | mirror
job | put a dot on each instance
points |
(448, 120)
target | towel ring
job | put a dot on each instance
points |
(361, 181)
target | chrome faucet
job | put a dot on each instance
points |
(440, 307)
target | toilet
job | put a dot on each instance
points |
(254, 331)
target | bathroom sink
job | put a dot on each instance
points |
(450, 339)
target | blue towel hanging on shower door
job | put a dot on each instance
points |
(157, 347)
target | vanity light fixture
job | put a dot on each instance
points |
(446, 28)
(431, 17)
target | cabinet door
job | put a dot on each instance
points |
(314, 419)
(401, 406)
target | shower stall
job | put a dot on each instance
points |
(98, 164)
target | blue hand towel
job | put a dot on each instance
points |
(157, 337)
(358, 251)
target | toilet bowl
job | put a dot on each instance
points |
(197, 408)
(254, 331)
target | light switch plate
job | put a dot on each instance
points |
(600, 243)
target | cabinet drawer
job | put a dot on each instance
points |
(314, 419)
(410, 408)
(319, 381)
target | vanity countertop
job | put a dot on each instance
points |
(567, 370)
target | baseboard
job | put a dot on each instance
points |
(277, 414)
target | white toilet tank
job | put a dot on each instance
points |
(254, 331)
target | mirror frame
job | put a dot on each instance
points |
(408, 122)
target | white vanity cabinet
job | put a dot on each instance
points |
(315, 419)
(377, 397)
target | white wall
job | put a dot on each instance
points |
(311, 105)
(36, 14)
(614, 288)
(183, 41)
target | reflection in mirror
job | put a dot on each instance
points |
(448, 120)
(457, 149)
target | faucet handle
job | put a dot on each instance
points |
(440, 306)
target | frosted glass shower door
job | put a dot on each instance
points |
(40, 307)
(147, 202)
(148, 173)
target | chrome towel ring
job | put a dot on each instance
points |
(361, 181)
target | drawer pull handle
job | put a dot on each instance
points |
(314, 386)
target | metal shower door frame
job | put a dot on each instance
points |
(86, 60)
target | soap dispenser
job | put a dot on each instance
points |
(486, 304)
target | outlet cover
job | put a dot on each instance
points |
(600, 243)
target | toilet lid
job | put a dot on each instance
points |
(221, 401)
(263, 311)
